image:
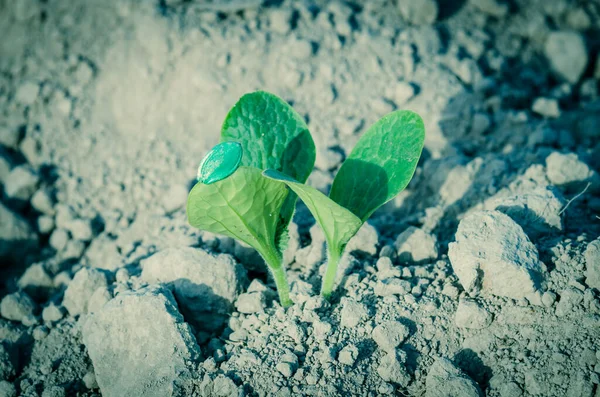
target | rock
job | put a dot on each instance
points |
(7, 389)
(365, 240)
(9, 137)
(567, 54)
(89, 380)
(286, 369)
(99, 298)
(36, 281)
(52, 313)
(547, 107)
(348, 355)
(59, 239)
(139, 345)
(251, 302)
(548, 298)
(17, 306)
(27, 93)
(279, 20)
(21, 183)
(17, 238)
(445, 380)
(569, 171)
(570, 298)
(389, 335)
(81, 288)
(592, 264)
(45, 224)
(493, 254)
(352, 313)
(204, 285)
(8, 361)
(537, 211)
(416, 246)
(392, 286)
(491, 7)
(392, 368)
(80, 229)
(419, 12)
(31, 149)
(470, 315)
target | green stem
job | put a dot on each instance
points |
(330, 272)
(274, 261)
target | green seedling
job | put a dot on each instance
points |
(233, 198)
(380, 166)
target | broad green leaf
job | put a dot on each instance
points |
(220, 162)
(338, 224)
(381, 164)
(243, 206)
(273, 135)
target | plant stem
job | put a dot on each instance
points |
(330, 272)
(274, 261)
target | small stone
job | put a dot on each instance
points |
(9, 137)
(81, 229)
(416, 246)
(81, 288)
(205, 285)
(40, 332)
(17, 238)
(570, 298)
(73, 250)
(547, 107)
(470, 315)
(99, 298)
(31, 150)
(27, 93)
(548, 298)
(365, 240)
(89, 380)
(52, 313)
(348, 355)
(568, 169)
(419, 12)
(286, 369)
(390, 334)
(444, 379)
(59, 239)
(592, 264)
(567, 54)
(392, 286)
(45, 224)
(280, 21)
(21, 183)
(122, 275)
(251, 302)
(36, 281)
(17, 306)
(7, 389)
(352, 313)
(392, 368)
(136, 337)
(493, 254)
(491, 7)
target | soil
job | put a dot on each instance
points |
(481, 279)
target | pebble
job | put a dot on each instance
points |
(21, 183)
(280, 21)
(136, 336)
(52, 313)
(59, 239)
(567, 168)
(45, 224)
(80, 229)
(89, 380)
(392, 368)
(493, 254)
(419, 12)
(17, 238)
(390, 334)
(81, 288)
(548, 298)
(547, 107)
(40, 332)
(392, 286)
(416, 246)
(286, 369)
(470, 315)
(253, 302)
(17, 306)
(36, 281)
(444, 379)
(567, 54)
(352, 313)
(9, 137)
(348, 355)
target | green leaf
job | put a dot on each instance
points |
(243, 206)
(272, 135)
(381, 164)
(338, 224)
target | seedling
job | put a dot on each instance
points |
(380, 166)
(233, 198)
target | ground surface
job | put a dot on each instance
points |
(482, 278)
